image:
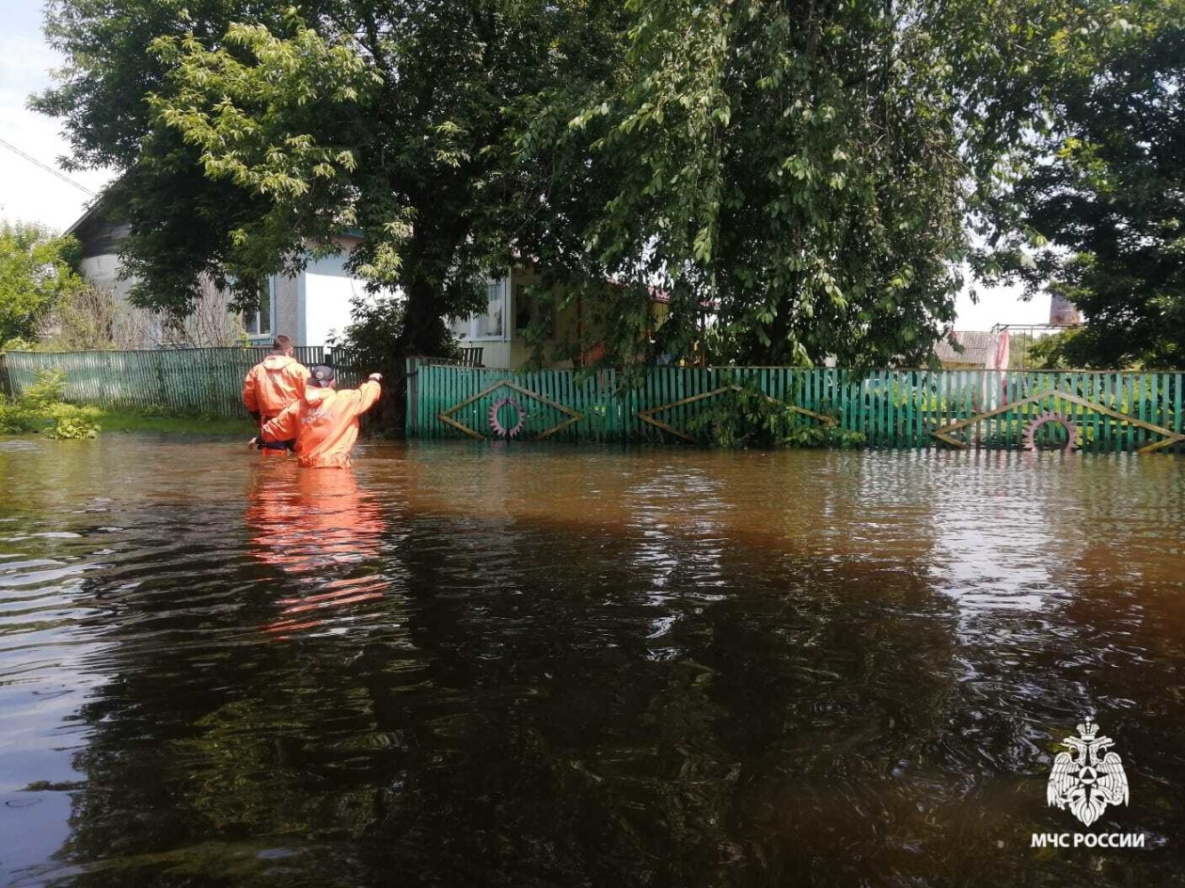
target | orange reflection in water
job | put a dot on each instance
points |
(317, 526)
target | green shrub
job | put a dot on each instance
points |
(49, 388)
(745, 417)
(825, 436)
(40, 410)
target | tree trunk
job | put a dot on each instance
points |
(424, 331)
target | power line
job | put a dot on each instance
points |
(33, 160)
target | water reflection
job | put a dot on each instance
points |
(324, 533)
(568, 666)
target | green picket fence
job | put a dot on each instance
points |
(206, 381)
(1111, 412)
(891, 408)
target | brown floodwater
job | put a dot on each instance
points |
(465, 664)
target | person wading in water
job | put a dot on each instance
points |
(272, 385)
(325, 421)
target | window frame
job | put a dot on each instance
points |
(270, 333)
(473, 323)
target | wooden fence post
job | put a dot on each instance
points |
(409, 423)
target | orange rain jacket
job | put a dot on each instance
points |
(324, 423)
(273, 384)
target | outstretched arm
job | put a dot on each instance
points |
(369, 392)
(284, 426)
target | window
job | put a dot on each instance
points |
(258, 323)
(494, 322)
(491, 324)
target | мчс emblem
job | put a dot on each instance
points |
(1089, 783)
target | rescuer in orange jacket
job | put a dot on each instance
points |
(271, 385)
(325, 421)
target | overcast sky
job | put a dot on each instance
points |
(28, 193)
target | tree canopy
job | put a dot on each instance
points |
(1101, 198)
(38, 272)
(796, 178)
(252, 135)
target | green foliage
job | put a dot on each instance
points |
(796, 176)
(745, 417)
(18, 344)
(373, 340)
(182, 222)
(40, 410)
(71, 423)
(1096, 212)
(49, 388)
(268, 129)
(38, 270)
(825, 436)
(1056, 351)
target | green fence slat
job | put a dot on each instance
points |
(1178, 384)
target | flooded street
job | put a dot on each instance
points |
(554, 665)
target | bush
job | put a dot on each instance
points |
(40, 410)
(825, 436)
(745, 417)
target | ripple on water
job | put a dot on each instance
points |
(579, 666)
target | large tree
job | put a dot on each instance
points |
(250, 134)
(797, 176)
(1100, 203)
(182, 221)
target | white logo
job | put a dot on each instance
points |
(1090, 782)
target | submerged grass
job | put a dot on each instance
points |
(41, 411)
(134, 421)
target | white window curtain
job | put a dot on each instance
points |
(494, 323)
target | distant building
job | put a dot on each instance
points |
(1063, 312)
(574, 336)
(974, 350)
(308, 306)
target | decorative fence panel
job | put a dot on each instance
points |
(998, 409)
(465, 396)
(207, 381)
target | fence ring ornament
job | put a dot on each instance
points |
(496, 424)
(1057, 419)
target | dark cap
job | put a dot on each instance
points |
(321, 375)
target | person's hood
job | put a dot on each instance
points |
(276, 362)
(314, 395)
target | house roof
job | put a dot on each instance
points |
(92, 212)
(976, 346)
(95, 212)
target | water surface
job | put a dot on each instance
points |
(472, 664)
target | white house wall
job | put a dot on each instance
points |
(103, 272)
(308, 307)
(326, 293)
